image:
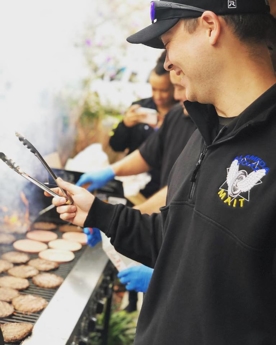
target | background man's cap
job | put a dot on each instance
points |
(165, 14)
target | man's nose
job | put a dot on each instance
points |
(167, 64)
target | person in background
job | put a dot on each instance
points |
(159, 151)
(213, 245)
(137, 125)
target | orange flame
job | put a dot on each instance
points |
(15, 221)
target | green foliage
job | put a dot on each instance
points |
(92, 109)
(121, 331)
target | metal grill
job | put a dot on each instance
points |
(63, 270)
(62, 322)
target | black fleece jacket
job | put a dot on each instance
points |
(213, 245)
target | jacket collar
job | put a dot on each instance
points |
(206, 118)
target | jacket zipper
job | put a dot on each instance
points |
(195, 172)
(198, 165)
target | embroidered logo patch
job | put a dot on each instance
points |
(232, 3)
(235, 191)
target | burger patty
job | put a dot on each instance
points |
(7, 238)
(47, 280)
(7, 294)
(44, 226)
(41, 235)
(57, 255)
(29, 303)
(15, 331)
(75, 236)
(23, 271)
(63, 244)
(14, 283)
(29, 246)
(43, 265)
(5, 265)
(16, 257)
(6, 309)
(70, 228)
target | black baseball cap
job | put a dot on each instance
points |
(165, 14)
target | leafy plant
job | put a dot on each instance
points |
(121, 330)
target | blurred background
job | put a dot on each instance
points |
(62, 58)
(67, 73)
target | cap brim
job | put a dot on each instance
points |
(150, 36)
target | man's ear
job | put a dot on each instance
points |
(212, 25)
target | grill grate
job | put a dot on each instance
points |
(63, 270)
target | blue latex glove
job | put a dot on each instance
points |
(96, 179)
(93, 236)
(136, 278)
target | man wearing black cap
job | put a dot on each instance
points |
(213, 245)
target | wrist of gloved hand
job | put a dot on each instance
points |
(93, 236)
(136, 278)
(96, 179)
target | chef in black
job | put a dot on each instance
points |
(213, 245)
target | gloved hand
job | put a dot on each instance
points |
(96, 179)
(136, 278)
(93, 236)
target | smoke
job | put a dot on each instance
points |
(38, 58)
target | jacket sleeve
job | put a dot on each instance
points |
(135, 235)
(120, 140)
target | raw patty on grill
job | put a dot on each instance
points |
(29, 246)
(15, 331)
(16, 257)
(47, 280)
(7, 294)
(44, 226)
(14, 282)
(43, 265)
(29, 303)
(7, 238)
(23, 271)
(57, 255)
(70, 228)
(5, 265)
(6, 309)
(60, 243)
(75, 236)
(41, 235)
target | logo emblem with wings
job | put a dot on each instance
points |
(240, 181)
(236, 189)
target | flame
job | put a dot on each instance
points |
(16, 221)
(13, 219)
(26, 203)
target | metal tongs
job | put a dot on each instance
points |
(17, 169)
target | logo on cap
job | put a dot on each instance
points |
(232, 4)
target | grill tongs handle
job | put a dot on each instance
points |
(50, 171)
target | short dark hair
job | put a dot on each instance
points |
(252, 28)
(249, 28)
(159, 68)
